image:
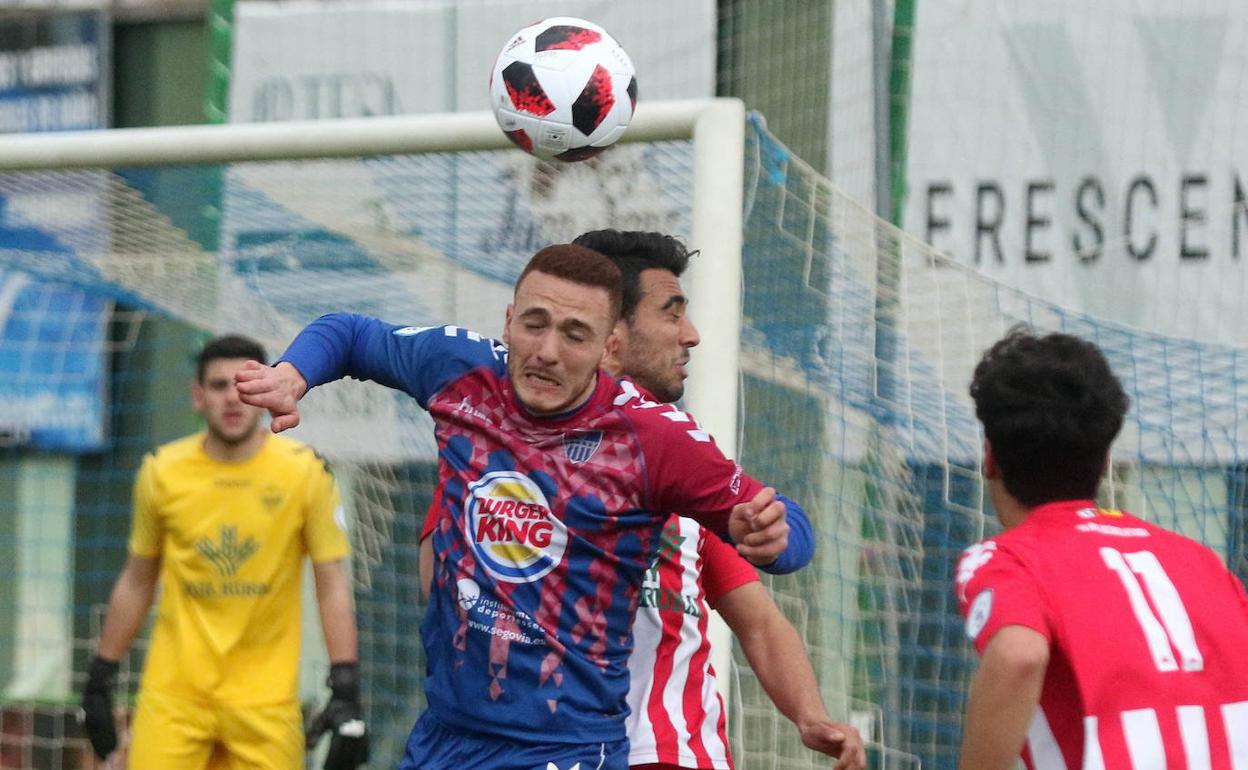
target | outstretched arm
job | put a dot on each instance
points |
(778, 657)
(331, 347)
(1003, 698)
(417, 361)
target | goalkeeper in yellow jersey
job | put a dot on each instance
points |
(223, 520)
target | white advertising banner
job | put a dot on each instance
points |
(1092, 154)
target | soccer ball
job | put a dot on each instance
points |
(563, 88)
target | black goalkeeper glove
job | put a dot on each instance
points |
(97, 706)
(343, 718)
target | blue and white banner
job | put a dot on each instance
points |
(52, 336)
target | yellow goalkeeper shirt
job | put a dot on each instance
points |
(232, 538)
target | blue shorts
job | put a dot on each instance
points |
(435, 746)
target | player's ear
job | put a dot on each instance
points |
(611, 354)
(507, 324)
(197, 396)
(991, 469)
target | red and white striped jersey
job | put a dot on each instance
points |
(677, 715)
(1148, 634)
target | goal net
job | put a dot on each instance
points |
(848, 348)
(857, 350)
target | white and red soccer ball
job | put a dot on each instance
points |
(563, 88)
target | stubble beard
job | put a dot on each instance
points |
(232, 441)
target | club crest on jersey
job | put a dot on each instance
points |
(979, 613)
(271, 496)
(579, 447)
(513, 532)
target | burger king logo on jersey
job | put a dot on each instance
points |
(511, 527)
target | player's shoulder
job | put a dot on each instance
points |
(977, 555)
(1004, 553)
(453, 338)
(649, 416)
(450, 352)
(173, 463)
(1169, 541)
(1101, 526)
(1019, 544)
(174, 452)
(296, 453)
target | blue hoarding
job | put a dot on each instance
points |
(52, 337)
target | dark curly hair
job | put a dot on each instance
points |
(1050, 406)
(634, 251)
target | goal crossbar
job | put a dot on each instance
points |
(297, 140)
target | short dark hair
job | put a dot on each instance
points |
(581, 265)
(1050, 406)
(634, 251)
(228, 346)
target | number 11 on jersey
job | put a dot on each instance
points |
(1165, 624)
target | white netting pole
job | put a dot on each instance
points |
(714, 286)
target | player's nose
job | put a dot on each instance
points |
(689, 336)
(547, 350)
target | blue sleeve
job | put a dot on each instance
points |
(801, 548)
(417, 361)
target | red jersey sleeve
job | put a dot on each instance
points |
(995, 589)
(723, 569)
(688, 474)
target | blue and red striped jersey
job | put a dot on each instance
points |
(544, 530)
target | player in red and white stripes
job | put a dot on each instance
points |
(1106, 642)
(678, 718)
